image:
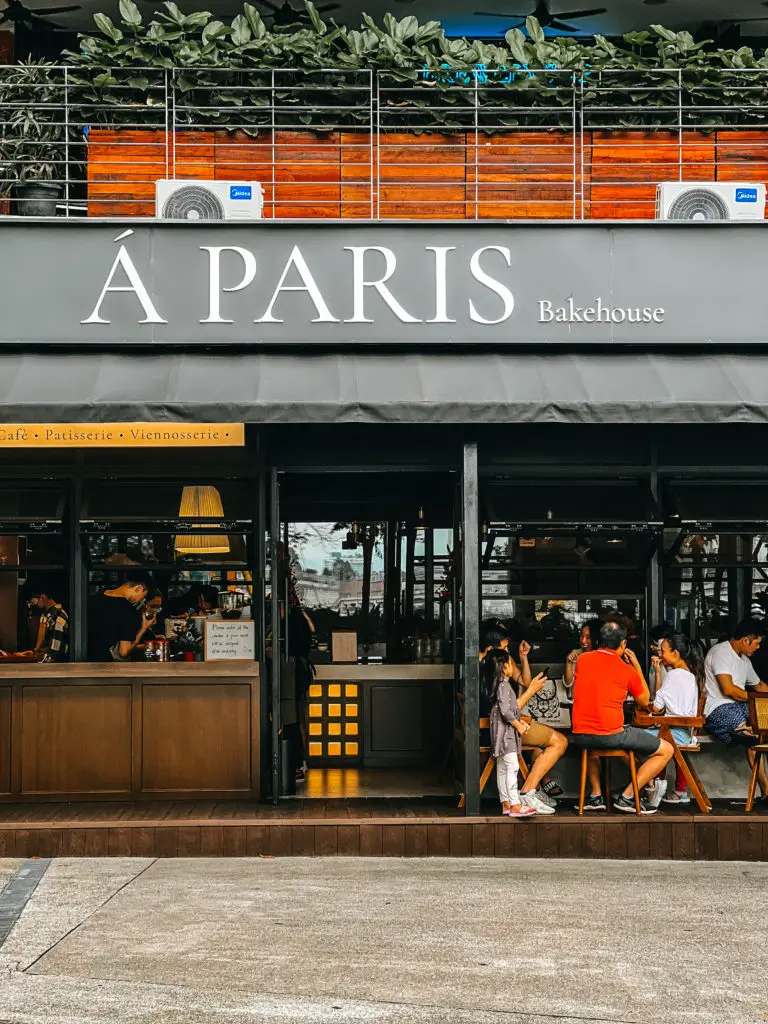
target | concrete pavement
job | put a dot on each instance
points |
(385, 941)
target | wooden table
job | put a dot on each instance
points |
(665, 724)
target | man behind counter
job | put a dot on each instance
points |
(115, 626)
(53, 638)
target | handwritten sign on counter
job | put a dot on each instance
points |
(229, 640)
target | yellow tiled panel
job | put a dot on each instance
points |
(334, 710)
(350, 728)
(334, 750)
(334, 728)
(315, 749)
(315, 729)
(315, 690)
(334, 690)
(350, 749)
(315, 710)
(350, 710)
(350, 690)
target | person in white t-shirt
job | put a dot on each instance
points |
(678, 696)
(728, 672)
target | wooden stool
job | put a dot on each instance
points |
(625, 755)
(758, 719)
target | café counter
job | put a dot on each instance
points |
(129, 731)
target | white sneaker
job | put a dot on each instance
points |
(656, 791)
(533, 800)
(548, 800)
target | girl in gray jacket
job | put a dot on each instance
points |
(507, 727)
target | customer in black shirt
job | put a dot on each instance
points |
(115, 626)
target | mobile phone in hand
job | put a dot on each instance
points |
(545, 671)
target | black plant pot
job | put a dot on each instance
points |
(35, 198)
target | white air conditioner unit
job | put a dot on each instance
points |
(208, 200)
(710, 200)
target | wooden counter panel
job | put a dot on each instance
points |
(5, 739)
(76, 739)
(196, 737)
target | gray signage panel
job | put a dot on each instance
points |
(107, 283)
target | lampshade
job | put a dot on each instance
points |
(205, 502)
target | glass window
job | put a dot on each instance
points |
(34, 581)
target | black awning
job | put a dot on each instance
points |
(605, 387)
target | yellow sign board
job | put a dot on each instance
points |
(121, 435)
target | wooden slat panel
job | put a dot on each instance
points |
(188, 842)
(547, 839)
(349, 840)
(143, 842)
(706, 840)
(504, 845)
(358, 158)
(522, 174)
(371, 841)
(5, 739)
(438, 840)
(626, 167)
(123, 166)
(416, 841)
(50, 843)
(422, 177)
(257, 840)
(616, 839)
(327, 840)
(393, 840)
(235, 843)
(209, 747)
(752, 840)
(120, 842)
(683, 840)
(166, 841)
(303, 841)
(638, 840)
(570, 840)
(76, 739)
(307, 175)
(483, 840)
(742, 156)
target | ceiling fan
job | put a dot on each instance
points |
(545, 17)
(285, 14)
(17, 14)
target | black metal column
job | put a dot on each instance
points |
(654, 613)
(429, 575)
(274, 540)
(78, 588)
(470, 557)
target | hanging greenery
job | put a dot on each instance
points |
(243, 74)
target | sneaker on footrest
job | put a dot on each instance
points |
(626, 804)
(534, 800)
(594, 803)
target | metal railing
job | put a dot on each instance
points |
(501, 143)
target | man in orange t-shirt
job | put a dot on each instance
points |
(604, 678)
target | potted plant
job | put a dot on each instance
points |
(33, 133)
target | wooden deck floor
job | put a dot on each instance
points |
(371, 827)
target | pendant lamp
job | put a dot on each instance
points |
(202, 501)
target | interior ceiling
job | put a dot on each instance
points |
(459, 17)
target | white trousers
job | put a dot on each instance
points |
(506, 778)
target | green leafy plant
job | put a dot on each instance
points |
(245, 75)
(33, 126)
